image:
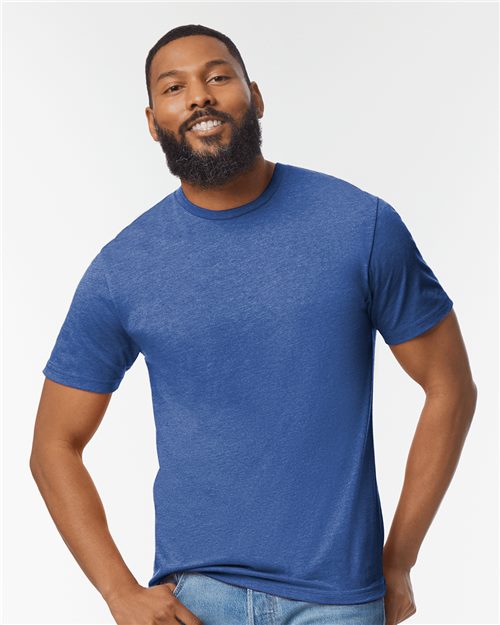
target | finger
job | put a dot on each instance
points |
(185, 616)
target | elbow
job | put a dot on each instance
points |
(34, 464)
(39, 456)
(461, 394)
(469, 400)
(473, 398)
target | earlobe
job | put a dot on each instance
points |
(153, 131)
(153, 134)
(255, 92)
(258, 105)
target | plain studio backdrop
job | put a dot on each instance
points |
(399, 99)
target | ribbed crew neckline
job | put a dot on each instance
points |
(236, 211)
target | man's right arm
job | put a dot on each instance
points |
(66, 420)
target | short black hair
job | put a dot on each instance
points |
(185, 31)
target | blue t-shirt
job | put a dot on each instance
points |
(257, 325)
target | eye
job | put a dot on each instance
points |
(171, 86)
(213, 77)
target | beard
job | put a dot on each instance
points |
(214, 167)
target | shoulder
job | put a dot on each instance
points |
(334, 198)
(328, 186)
(138, 237)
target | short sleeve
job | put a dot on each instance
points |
(92, 350)
(406, 298)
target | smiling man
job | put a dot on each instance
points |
(254, 291)
(205, 147)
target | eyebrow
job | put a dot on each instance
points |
(208, 65)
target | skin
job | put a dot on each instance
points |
(67, 418)
(191, 91)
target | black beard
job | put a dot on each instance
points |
(210, 169)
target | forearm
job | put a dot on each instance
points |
(76, 509)
(432, 460)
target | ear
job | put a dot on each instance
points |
(151, 123)
(257, 98)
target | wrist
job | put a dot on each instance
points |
(397, 559)
(117, 591)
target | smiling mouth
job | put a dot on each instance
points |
(207, 131)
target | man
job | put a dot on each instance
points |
(254, 292)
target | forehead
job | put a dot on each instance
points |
(189, 54)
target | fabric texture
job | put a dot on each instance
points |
(257, 325)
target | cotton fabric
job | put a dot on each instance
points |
(257, 325)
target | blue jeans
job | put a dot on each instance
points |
(217, 603)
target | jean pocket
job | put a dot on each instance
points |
(180, 578)
(173, 578)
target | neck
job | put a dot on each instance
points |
(244, 188)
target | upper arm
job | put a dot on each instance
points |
(68, 415)
(436, 359)
(93, 350)
(411, 309)
(89, 359)
(405, 296)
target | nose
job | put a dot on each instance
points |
(198, 95)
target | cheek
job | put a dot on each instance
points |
(170, 114)
(239, 111)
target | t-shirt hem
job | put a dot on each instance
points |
(342, 597)
(67, 379)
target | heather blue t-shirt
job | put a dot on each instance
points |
(257, 325)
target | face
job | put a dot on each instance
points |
(195, 77)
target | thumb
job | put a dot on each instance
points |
(171, 585)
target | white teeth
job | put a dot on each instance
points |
(206, 125)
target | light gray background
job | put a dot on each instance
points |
(397, 98)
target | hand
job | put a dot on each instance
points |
(150, 606)
(399, 602)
